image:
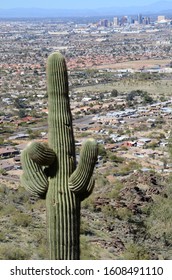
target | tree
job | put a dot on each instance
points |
(114, 93)
(19, 104)
(21, 113)
(147, 98)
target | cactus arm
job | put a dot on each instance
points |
(79, 181)
(29, 185)
(88, 190)
(34, 179)
(41, 153)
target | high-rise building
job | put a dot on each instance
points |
(161, 18)
(146, 20)
(115, 21)
(139, 19)
(104, 22)
(123, 20)
(130, 20)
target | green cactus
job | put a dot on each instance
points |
(51, 171)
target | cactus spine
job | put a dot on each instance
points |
(64, 184)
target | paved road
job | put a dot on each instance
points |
(84, 120)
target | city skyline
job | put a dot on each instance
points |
(75, 4)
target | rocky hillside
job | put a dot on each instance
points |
(117, 221)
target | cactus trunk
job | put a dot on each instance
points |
(63, 207)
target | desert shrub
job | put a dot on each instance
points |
(87, 252)
(7, 209)
(21, 219)
(2, 236)
(89, 203)
(102, 151)
(3, 190)
(1, 206)
(109, 210)
(123, 213)
(135, 252)
(115, 158)
(42, 252)
(115, 192)
(101, 180)
(85, 228)
(18, 196)
(39, 205)
(11, 252)
(40, 242)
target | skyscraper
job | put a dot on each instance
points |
(115, 21)
(139, 18)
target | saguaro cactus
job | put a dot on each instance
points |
(50, 170)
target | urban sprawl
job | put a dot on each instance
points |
(120, 82)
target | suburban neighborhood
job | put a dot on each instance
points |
(134, 124)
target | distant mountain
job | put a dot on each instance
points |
(37, 12)
(161, 7)
(157, 7)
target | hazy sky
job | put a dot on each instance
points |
(73, 4)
